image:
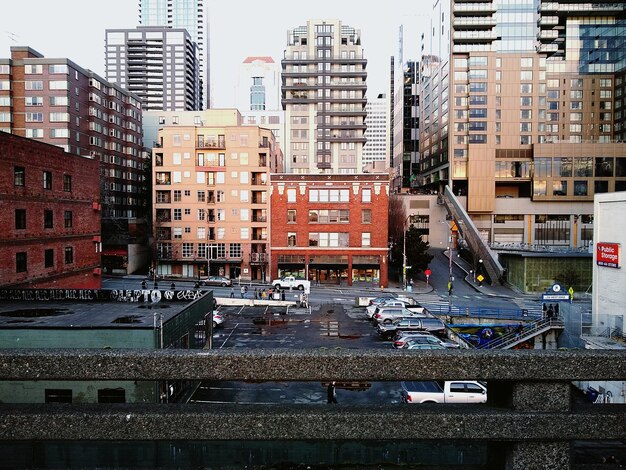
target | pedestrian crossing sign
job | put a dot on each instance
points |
(480, 278)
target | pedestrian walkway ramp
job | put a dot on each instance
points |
(470, 234)
(528, 332)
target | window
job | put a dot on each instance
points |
(34, 117)
(67, 219)
(33, 85)
(177, 195)
(234, 250)
(54, 395)
(20, 219)
(21, 262)
(178, 215)
(67, 183)
(69, 255)
(366, 195)
(581, 188)
(291, 239)
(48, 257)
(291, 216)
(366, 239)
(47, 180)
(111, 395)
(366, 216)
(559, 188)
(48, 219)
(34, 100)
(291, 195)
(19, 176)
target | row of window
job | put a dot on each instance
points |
(330, 195)
(330, 216)
(21, 258)
(19, 179)
(48, 219)
(330, 239)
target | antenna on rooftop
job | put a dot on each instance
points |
(12, 36)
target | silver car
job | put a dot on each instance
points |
(417, 340)
(389, 314)
(370, 310)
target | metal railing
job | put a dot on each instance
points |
(530, 398)
(527, 332)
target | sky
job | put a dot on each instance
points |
(239, 28)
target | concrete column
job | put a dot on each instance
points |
(544, 455)
(540, 397)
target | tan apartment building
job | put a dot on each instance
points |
(211, 201)
(323, 95)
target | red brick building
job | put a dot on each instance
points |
(49, 217)
(330, 228)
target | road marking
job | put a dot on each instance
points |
(228, 337)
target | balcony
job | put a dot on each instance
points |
(259, 258)
(211, 143)
(530, 416)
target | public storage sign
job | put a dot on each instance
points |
(608, 254)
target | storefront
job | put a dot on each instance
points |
(366, 270)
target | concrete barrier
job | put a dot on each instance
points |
(253, 302)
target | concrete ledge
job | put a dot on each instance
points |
(292, 422)
(312, 365)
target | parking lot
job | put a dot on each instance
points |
(323, 326)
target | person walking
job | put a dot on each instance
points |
(331, 393)
(232, 292)
(243, 291)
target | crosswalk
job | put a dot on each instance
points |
(438, 305)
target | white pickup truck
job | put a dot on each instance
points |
(454, 391)
(290, 282)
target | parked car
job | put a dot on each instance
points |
(216, 281)
(433, 325)
(378, 300)
(413, 343)
(389, 314)
(422, 337)
(218, 319)
(453, 391)
(370, 310)
(416, 346)
(290, 282)
(401, 337)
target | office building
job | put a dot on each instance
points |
(521, 118)
(376, 148)
(50, 222)
(330, 229)
(58, 102)
(158, 64)
(211, 198)
(192, 15)
(323, 95)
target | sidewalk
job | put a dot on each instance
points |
(500, 291)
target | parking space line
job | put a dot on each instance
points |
(229, 335)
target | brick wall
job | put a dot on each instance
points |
(34, 239)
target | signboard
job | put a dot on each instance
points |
(428, 272)
(480, 278)
(608, 254)
(545, 297)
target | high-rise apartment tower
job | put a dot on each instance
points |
(193, 15)
(323, 94)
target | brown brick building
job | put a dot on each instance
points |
(49, 217)
(330, 228)
(56, 101)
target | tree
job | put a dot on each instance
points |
(417, 255)
(397, 218)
